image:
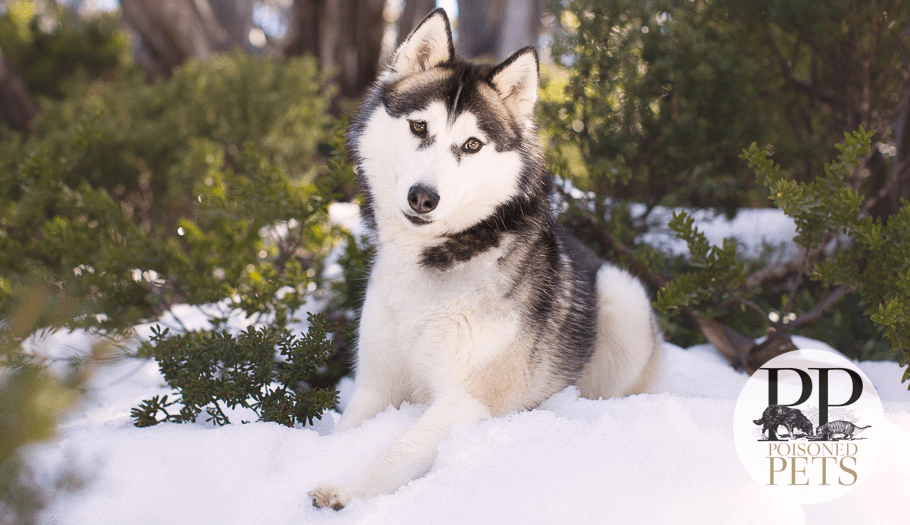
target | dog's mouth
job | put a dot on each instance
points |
(416, 220)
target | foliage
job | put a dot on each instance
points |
(51, 46)
(662, 95)
(213, 371)
(845, 247)
(831, 76)
(134, 197)
(211, 188)
(130, 198)
(653, 101)
(32, 400)
(659, 99)
(142, 131)
(873, 258)
(713, 269)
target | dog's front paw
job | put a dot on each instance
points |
(328, 495)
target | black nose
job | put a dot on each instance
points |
(422, 199)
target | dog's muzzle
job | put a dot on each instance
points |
(422, 199)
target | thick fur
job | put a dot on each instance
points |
(478, 304)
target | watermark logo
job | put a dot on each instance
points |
(808, 426)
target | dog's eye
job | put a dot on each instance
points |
(418, 127)
(471, 145)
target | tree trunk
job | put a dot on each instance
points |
(170, 32)
(900, 171)
(498, 28)
(16, 105)
(345, 35)
(480, 27)
(520, 26)
(236, 17)
(413, 13)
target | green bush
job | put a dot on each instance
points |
(847, 252)
(211, 187)
(32, 400)
(652, 102)
(52, 48)
(215, 370)
(142, 132)
(659, 98)
(133, 197)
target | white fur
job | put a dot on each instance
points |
(420, 342)
(625, 327)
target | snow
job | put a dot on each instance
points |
(755, 230)
(667, 457)
(663, 457)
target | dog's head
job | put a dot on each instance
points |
(442, 143)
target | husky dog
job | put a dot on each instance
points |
(478, 304)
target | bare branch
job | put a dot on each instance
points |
(827, 97)
(772, 273)
(820, 308)
(751, 304)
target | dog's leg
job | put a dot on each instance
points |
(371, 396)
(381, 379)
(409, 457)
(367, 401)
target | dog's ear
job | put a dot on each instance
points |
(516, 81)
(429, 45)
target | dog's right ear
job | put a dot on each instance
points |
(429, 45)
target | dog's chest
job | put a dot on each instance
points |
(462, 317)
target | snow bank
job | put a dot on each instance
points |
(663, 457)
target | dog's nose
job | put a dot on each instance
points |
(422, 199)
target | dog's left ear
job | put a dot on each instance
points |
(516, 81)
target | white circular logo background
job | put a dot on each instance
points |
(780, 442)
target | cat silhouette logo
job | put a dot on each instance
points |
(807, 426)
